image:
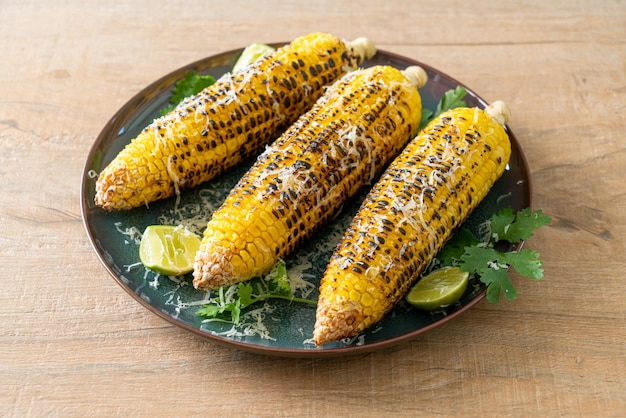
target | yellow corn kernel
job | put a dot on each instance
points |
(366, 300)
(409, 214)
(254, 230)
(237, 261)
(273, 231)
(229, 121)
(304, 177)
(245, 256)
(267, 238)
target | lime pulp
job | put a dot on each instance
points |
(252, 53)
(168, 249)
(438, 289)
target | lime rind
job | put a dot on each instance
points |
(439, 289)
(252, 53)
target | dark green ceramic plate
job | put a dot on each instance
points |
(288, 327)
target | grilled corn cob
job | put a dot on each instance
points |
(407, 217)
(227, 122)
(302, 179)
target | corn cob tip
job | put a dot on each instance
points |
(416, 75)
(333, 325)
(210, 270)
(499, 111)
(363, 48)
(109, 181)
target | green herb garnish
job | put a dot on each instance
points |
(193, 83)
(229, 301)
(487, 261)
(451, 99)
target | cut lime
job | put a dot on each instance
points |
(252, 53)
(439, 289)
(168, 250)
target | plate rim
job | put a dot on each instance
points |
(174, 75)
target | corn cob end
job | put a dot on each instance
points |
(362, 47)
(416, 75)
(105, 189)
(112, 191)
(499, 111)
(333, 325)
(211, 271)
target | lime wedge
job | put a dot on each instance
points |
(439, 289)
(252, 53)
(168, 250)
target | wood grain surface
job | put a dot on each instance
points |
(73, 343)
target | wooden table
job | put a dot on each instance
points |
(73, 343)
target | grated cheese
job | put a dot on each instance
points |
(132, 233)
(300, 287)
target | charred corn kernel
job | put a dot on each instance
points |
(302, 179)
(227, 122)
(407, 217)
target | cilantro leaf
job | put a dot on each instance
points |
(492, 268)
(279, 280)
(478, 259)
(244, 290)
(230, 301)
(427, 116)
(227, 311)
(525, 262)
(451, 99)
(498, 282)
(454, 248)
(235, 311)
(191, 84)
(210, 310)
(522, 227)
(500, 223)
(491, 265)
